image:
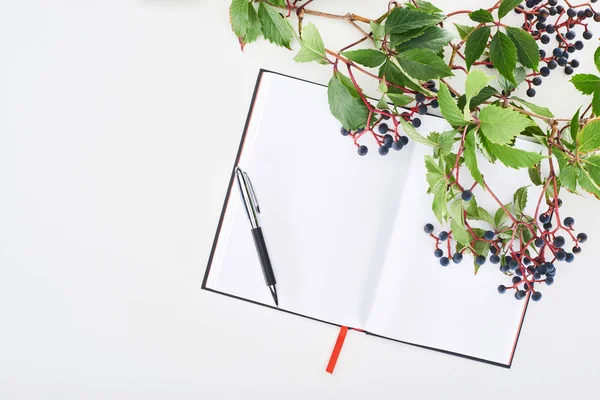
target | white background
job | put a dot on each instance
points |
(119, 124)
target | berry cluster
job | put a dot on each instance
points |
(528, 262)
(546, 20)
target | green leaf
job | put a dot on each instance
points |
(313, 48)
(423, 64)
(470, 155)
(586, 83)
(535, 175)
(485, 147)
(378, 31)
(528, 52)
(396, 40)
(481, 15)
(402, 20)
(382, 104)
(254, 26)
(589, 138)
(597, 58)
(508, 86)
(501, 217)
(400, 100)
(425, 6)
(592, 165)
(520, 200)
(238, 15)
(516, 158)
(476, 44)
(344, 105)
(439, 205)
(575, 125)
(484, 215)
(587, 183)
(435, 175)
(476, 81)
(444, 140)
(503, 54)
(433, 38)
(367, 57)
(464, 30)
(457, 224)
(507, 6)
(596, 103)
(543, 111)
(448, 107)
(415, 136)
(479, 99)
(568, 177)
(275, 28)
(393, 74)
(501, 125)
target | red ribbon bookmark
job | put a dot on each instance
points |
(337, 349)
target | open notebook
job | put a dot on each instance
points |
(345, 233)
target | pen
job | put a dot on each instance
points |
(252, 210)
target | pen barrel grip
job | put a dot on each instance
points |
(263, 255)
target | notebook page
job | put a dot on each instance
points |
(326, 212)
(448, 308)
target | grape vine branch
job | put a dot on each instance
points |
(412, 50)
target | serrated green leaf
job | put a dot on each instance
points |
(543, 111)
(399, 39)
(425, 6)
(445, 141)
(238, 15)
(528, 52)
(501, 125)
(597, 58)
(503, 55)
(596, 103)
(393, 74)
(508, 86)
(507, 6)
(516, 158)
(484, 215)
(457, 224)
(275, 28)
(592, 165)
(485, 93)
(313, 48)
(433, 38)
(588, 138)
(520, 200)
(476, 44)
(481, 15)
(367, 57)
(448, 107)
(535, 175)
(378, 32)
(470, 155)
(485, 147)
(400, 100)
(344, 105)
(464, 30)
(439, 205)
(435, 175)
(382, 104)
(586, 182)
(415, 136)
(423, 64)
(402, 20)
(568, 177)
(476, 81)
(575, 125)
(254, 26)
(586, 83)
(501, 217)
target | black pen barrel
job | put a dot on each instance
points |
(263, 254)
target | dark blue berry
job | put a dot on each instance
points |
(467, 195)
(550, 29)
(520, 294)
(579, 45)
(361, 130)
(537, 275)
(548, 226)
(574, 63)
(587, 35)
(513, 265)
(457, 257)
(549, 280)
(443, 235)
(557, 52)
(571, 13)
(559, 241)
(531, 92)
(542, 53)
(582, 237)
(404, 140)
(518, 272)
(568, 70)
(493, 250)
(545, 71)
(576, 250)
(550, 267)
(516, 280)
(362, 150)
(504, 268)
(561, 255)
(537, 296)
(422, 110)
(570, 257)
(544, 218)
(562, 61)
(501, 289)
(428, 228)
(344, 132)
(385, 117)
(488, 235)
(494, 259)
(416, 122)
(438, 253)
(383, 128)
(444, 261)
(480, 260)
(539, 242)
(542, 269)
(388, 141)
(435, 104)
(397, 146)
(383, 150)
(571, 49)
(569, 221)
(570, 35)
(537, 81)
(420, 98)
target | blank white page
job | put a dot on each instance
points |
(326, 212)
(448, 308)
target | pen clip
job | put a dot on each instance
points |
(252, 194)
